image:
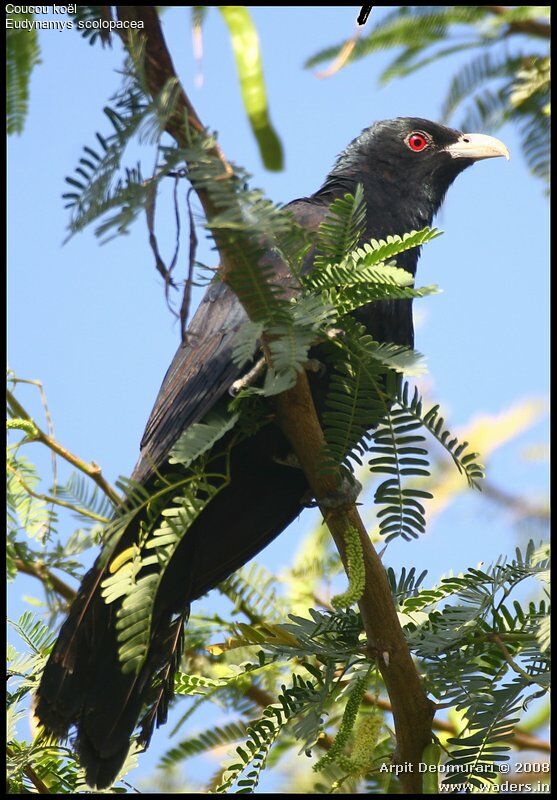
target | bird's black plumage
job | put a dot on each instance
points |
(404, 184)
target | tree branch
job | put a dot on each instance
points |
(46, 577)
(41, 787)
(529, 26)
(519, 739)
(92, 470)
(511, 662)
(342, 57)
(519, 505)
(412, 711)
(49, 423)
(52, 500)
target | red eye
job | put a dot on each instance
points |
(417, 141)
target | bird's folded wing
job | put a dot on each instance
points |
(200, 373)
(202, 369)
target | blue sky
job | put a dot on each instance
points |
(90, 321)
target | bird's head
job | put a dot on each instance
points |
(406, 166)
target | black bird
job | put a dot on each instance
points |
(405, 166)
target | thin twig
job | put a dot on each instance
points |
(49, 421)
(342, 57)
(162, 269)
(512, 663)
(92, 470)
(519, 505)
(55, 500)
(519, 739)
(186, 298)
(46, 577)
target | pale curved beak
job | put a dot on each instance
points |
(477, 146)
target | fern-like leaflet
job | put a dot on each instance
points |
(262, 734)
(398, 451)
(138, 571)
(341, 230)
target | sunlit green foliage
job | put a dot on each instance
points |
(22, 54)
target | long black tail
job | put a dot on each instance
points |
(83, 684)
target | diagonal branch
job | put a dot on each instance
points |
(531, 27)
(46, 577)
(53, 500)
(412, 711)
(511, 662)
(39, 785)
(92, 470)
